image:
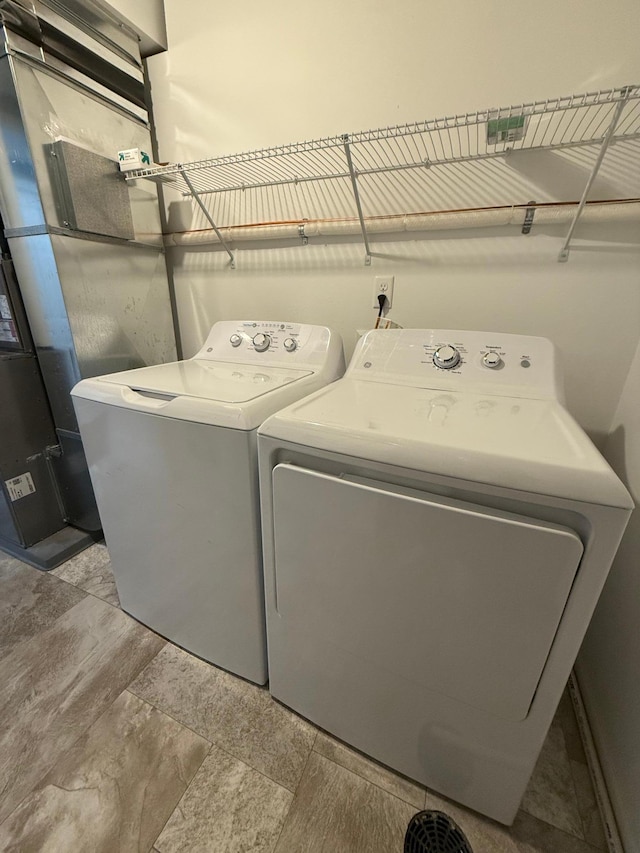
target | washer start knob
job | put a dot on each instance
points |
(261, 342)
(446, 357)
(492, 360)
(290, 344)
(235, 340)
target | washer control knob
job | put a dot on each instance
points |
(290, 344)
(261, 342)
(446, 357)
(492, 360)
(235, 340)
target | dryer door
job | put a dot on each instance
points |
(458, 598)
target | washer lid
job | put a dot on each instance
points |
(208, 380)
(518, 443)
(218, 393)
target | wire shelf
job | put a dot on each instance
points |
(591, 121)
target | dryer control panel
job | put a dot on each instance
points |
(453, 359)
(271, 343)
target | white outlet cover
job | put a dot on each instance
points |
(383, 284)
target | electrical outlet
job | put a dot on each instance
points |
(383, 284)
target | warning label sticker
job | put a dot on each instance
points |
(7, 326)
(20, 487)
(8, 332)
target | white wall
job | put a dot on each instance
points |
(236, 78)
(609, 663)
(259, 74)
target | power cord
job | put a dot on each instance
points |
(381, 302)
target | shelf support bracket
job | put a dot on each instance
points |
(208, 217)
(354, 184)
(564, 252)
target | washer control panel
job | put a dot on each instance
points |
(486, 362)
(273, 343)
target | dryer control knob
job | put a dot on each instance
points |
(290, 345)
(261, 342)
(446, 357)
(235, 340)
(492, 360)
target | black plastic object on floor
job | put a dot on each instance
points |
(434, 832)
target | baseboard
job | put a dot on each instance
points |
(595, 769)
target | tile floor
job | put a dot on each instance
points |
(114, 740)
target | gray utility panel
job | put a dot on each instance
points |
(86, 247)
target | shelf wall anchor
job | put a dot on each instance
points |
(564, 252)
(208, 217)
(354, 184)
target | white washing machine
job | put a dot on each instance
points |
(173, 461)
(437, 530)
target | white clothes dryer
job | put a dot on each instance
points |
(173, 461)
(437, 530)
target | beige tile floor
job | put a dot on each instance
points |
(114, 740)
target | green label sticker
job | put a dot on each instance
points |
(507, 129)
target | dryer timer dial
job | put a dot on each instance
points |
(446, 357)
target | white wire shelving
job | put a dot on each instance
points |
(371, 159)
